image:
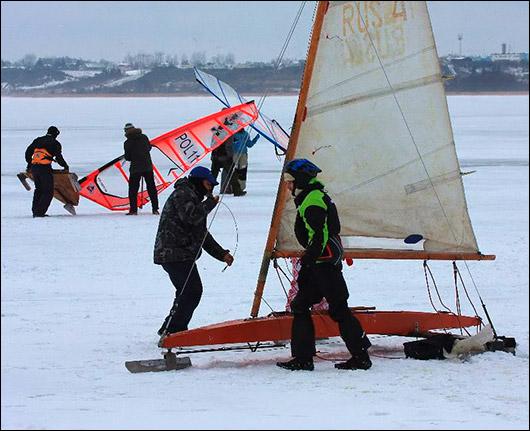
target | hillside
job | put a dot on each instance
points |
(52, 77)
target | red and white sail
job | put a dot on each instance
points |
(173, 153)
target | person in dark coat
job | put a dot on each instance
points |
(223, 161)
(181, 236)
(39, 156)
(317, 229)
(137, 148)
(242, 142)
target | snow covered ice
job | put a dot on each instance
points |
(80, 295)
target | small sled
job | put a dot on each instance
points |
(170, 362)
(65, 187)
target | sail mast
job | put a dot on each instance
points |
(281, 195)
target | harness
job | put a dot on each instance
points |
(41, 157)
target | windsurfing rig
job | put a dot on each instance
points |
(269, 128)
(173, 154)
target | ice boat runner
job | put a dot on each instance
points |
(176, 152)
(372, 114)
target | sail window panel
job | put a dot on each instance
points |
(165, 169)
(114, 180)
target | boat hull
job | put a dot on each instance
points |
(277, 327)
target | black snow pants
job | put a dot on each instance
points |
(314, 282)
(184, 304)
(134, 186)
(226, 168)
(43, 195)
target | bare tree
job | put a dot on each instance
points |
(230, 59)
(198, 58)
(184, 62)
(158, 58)
(28, 60)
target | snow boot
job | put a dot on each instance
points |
(296, 364)
(360, 361)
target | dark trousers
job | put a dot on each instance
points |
(187, 294)
(134, 186)
(43, 195)
(227, 168)
(314, 283)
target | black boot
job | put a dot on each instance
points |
(296, 364)
(359, 361)
(162, 330)
(365, 343)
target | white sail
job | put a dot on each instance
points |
(377, 124)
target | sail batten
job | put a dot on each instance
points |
(319, 109)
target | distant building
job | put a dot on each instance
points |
(509, 56)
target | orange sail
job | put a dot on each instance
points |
(173, 153)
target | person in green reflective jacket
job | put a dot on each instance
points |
(317, 229)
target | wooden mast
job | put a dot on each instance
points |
(281, 194)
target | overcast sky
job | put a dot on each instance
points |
(250, 30)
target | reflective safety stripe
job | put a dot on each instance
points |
(41, 157)
(314, 198)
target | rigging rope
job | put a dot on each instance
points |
(232, 169)
(237, 232)
(265, 95)
(418, 152)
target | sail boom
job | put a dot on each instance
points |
(397, 254)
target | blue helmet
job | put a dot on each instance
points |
(297, 167)
(203, 173)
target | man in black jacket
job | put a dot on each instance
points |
(137, 148)
(39, 156)
(223, 159)
(181, 236)
(317, 229)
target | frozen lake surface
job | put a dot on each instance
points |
(81, 295)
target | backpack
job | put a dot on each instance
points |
(430, 348)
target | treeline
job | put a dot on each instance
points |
(160, 73)
(142, 61)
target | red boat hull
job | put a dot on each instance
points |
(277, 327)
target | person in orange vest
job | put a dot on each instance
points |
(39, 157)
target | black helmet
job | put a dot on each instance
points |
(53, 131)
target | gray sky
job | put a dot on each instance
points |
(249, 30)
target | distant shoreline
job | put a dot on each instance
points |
(248, 96)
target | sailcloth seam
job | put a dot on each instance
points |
(361, 97)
